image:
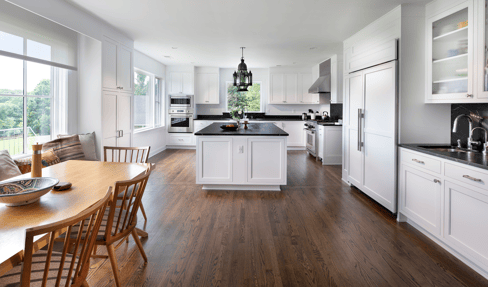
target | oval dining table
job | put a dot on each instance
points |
(90, 182)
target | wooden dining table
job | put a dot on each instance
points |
(90, 182)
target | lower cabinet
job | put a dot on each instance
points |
(420, 198)
(449, 203)
(296, 133)
(181, 139)
(330, 145)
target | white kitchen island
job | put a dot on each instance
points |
(252, 159)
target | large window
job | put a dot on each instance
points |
(148, 101)
(26, 95)
(250, 99)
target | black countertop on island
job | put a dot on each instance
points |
(255, 129)
(476, 159)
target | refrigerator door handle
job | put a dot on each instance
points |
(359, 129)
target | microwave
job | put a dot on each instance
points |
(182, 101)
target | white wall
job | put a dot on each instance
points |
(90, 88)
(155, 138)
(419, 122)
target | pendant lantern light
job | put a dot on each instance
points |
(242, 78)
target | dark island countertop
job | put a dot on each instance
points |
(476, 159)
(255, 129)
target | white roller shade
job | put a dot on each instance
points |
(47, 42)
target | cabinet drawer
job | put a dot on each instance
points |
(467, 175)
(180, 139)
(418, 160)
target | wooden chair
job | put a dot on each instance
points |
(119, 223)
(128, 154)
(45, 266)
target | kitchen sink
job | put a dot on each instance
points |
(445, 149)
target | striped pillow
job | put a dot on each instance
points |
(68, 148)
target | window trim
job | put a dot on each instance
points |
(262, 106)
(152, 78)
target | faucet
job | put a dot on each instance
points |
(485, 145)
(470, 121)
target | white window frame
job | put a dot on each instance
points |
(151, 91)
(25, 96)
(262, 107)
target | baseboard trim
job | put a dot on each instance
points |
(241, 187)
(180, 147)
(158, 151)
(449, 249)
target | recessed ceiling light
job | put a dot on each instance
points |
(169, 57)
(278, 65)
(174, 48)
(313, 48)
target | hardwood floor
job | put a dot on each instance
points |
(316, 232)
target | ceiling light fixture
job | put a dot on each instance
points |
(242, 78)
(174, 48)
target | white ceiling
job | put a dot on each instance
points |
(210, 32)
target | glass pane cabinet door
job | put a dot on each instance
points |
(450, 65)
(482, 61)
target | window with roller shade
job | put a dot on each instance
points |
(36, 57)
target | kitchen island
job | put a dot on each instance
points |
(252, 159)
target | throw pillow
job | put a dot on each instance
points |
(87, 144)
(68, 148)
(8, 168)
(48, 158)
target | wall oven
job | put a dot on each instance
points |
(180, 123)
(311, 142)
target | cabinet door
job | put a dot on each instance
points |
(291, 88)
(109, 60)
(109, 115)
(296, 133)
(277, 89)
(450, 55)
(465, 221)
(188, 83)
(266, 161)
(124, 124)
(420, 198)
(213, 89)
(176, 83)
(220, 167)
(306, 97)
(124, 69)
(482, 54)
(201, 89)
(354, 94)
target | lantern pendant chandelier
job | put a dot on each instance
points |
(242, 78)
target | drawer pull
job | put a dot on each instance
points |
(472, 178)
(418, 161)
(437, 181)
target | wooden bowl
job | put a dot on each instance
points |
(25, 191)
(225, 127)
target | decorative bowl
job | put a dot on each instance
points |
(227, 127)
(24, 191)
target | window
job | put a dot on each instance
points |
(26, 96)
(148, 101)
(250, 99)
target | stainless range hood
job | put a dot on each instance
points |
(322, 85)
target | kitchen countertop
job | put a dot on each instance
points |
(476, 159)
(267, 119)
(255, 129)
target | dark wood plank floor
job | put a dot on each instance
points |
(316, 232)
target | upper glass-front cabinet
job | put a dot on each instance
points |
(450, 54)
(482, 51)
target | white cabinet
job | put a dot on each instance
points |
(207, 88)
(296, 133)
(304, 97)
(117, 66)
(336, 96)
(449, 204)
(181, 82)
(116, 119)
(291, 88)
(182, 139)
(420, 198)
(456, 56)
(330, 145)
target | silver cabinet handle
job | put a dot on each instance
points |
(472, 178)
(121, 133)
(469, 95)
(437, 181)
(359, 128)
(418, 161)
